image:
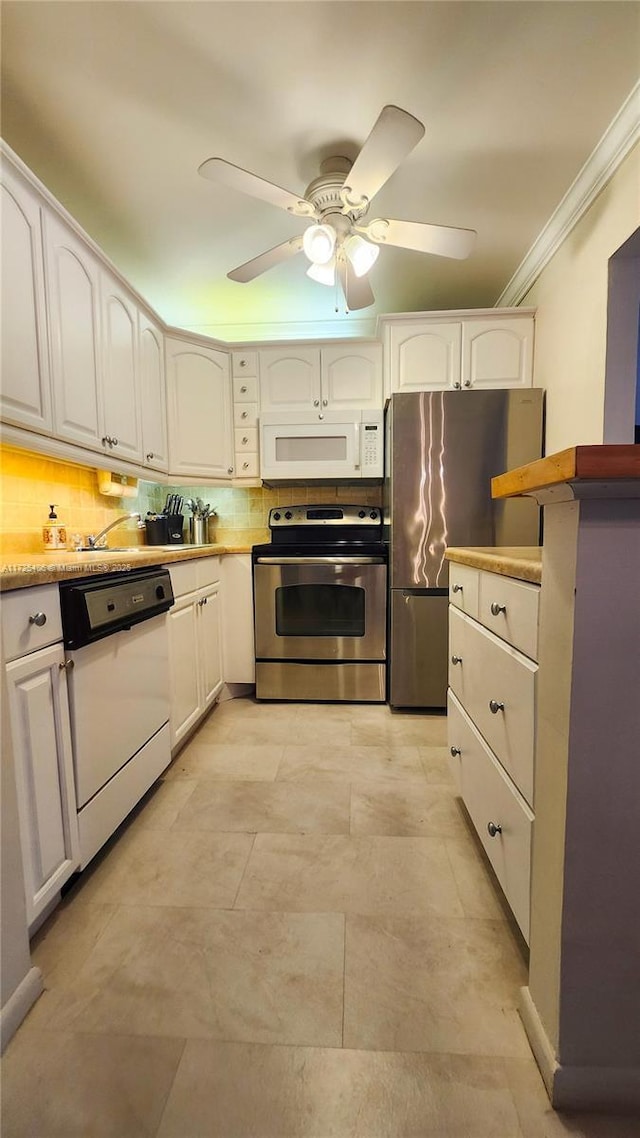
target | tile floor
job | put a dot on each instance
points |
(294, 936)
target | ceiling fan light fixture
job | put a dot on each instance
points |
(362, 254)
(323, 274)
(319, 242)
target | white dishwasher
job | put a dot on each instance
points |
(117, 660)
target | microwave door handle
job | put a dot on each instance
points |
(358, 443)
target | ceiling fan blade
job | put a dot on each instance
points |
(357, 290)
(442, 240)
(218, 170)
(272, 257)
(393, 137)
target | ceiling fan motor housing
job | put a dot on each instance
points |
(325, 193)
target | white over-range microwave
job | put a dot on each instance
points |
(338, 444)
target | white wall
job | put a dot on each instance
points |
(571, 323)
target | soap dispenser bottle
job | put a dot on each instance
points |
(54, 534)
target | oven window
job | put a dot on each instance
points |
(320, 610)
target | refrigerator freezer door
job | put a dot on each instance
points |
(444, 449)
(419, 635)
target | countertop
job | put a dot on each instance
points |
(579, 467)
(521, 561)
(24, 569)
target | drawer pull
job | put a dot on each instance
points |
(243, 363)
(495, 707)
(455, 751)
(456, 588)
(38, 618)
(496, 608)
(245, 441)
(244, 415)
(494, 828)
(456, 659)
(66, 666)
(243, 389)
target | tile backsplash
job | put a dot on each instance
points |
(29, 483)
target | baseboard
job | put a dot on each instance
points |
(612, 1089)
(19, 1004)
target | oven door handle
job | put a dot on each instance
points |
(341, 560)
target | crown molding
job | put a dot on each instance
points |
(619, 138)
(342, 329)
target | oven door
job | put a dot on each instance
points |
(320, 608)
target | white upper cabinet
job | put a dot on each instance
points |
(498, 353)
(120, 389)
(25, 398)
(338, 376)
(73, 289)
(490, 348)
(424, 356)
(289, 378)
(199, 398)
(153, 394)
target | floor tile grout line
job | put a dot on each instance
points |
(185, 1040)
(344, 976)
(237, 892)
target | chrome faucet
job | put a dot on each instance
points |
(94, 542)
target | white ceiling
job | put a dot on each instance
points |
(114, 105)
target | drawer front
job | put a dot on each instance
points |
(207, 571)
(244, 363)
(510, 609)
(23, 627)
(246, 440)
(247, 466)
(495, 807)
(184, 577)
(496, 686)
(463, 588)
(245, 390)
(245, 414)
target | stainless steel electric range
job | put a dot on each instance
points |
(320, 605)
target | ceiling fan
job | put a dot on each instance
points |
(340, 242)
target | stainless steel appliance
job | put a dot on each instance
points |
(320, 597)
(329, 444)
(442, 449)
(116, 650)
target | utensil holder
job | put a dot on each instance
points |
(175, 526)
(198, 531)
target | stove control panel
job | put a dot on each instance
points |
(324, 515)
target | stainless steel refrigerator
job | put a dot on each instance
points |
(442, 450)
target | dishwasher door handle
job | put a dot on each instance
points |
(320, 560)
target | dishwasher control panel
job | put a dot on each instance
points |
(96, 608)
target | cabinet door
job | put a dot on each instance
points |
(289, 378)
(425, 356)
(72, 276)
(184, 694)
(39, 712)
(351, 376)
(153, 395)
(497, 353)
(210, 644)
(200, 432)
(120, 398)
(26, 396)
(237, 620)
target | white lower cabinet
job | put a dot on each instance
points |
(237, 620)
(38, 709)
(195, 644)
(491, 719)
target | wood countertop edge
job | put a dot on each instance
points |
(524, 563)
(597, 463)
(24, 570)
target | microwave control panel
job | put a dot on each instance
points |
(371, 455)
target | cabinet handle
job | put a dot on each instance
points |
(244, 415)
(456, 659)
(67, 666)
(202, 601)
(105, 440)
(316, 403)
(229, 470)
(325, 402)
(457, 384)
(495, 707)
(494, 829)
(243, 363)
(455, 751)
(150, 455)
(467, 383)
(243, 389)
(245, 465)
(456, 588)
(245, 441)
(496, 608)
(38, 618)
